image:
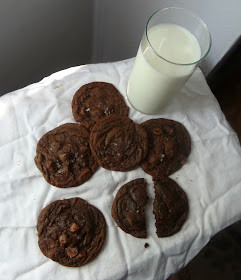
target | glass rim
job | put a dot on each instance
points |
(194, 15)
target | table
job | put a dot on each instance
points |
(211, 178)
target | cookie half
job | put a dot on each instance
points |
(170, 207)
(71, 232)
(63, 156)
(169, 147)
(128, 208)
(117, 143)
(96, 100)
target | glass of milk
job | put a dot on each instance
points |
(175, 41)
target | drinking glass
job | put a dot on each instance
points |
(174, 43)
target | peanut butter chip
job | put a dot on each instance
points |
(130, 220)
(82, 254)
(85, 171)
(157, 131)
(74, 227)
(63, 239)
(184, 161)
(72, 252)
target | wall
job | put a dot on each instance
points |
(120, 25)
(43, 36)
(40, 37)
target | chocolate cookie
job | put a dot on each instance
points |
(117, 143)
(169, 147)
(71, 231)
(63, 156)
(170, 207)
(96, 100)
(128, 208)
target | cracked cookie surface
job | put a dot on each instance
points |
(71, 231)
(63, 156)
(128, 208)
(169, 145)
(117, 143)
(96, 100)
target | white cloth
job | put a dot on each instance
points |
(211, 178)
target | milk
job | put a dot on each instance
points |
(154, 80)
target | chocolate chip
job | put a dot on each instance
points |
(54, 146)
(146, 245)
(64, 171)
(64, 156)
(170, 147)
(50, 165)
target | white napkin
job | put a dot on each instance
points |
(211, 178)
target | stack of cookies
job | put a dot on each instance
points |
(72, 231)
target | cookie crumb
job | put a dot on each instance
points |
(146, 245)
